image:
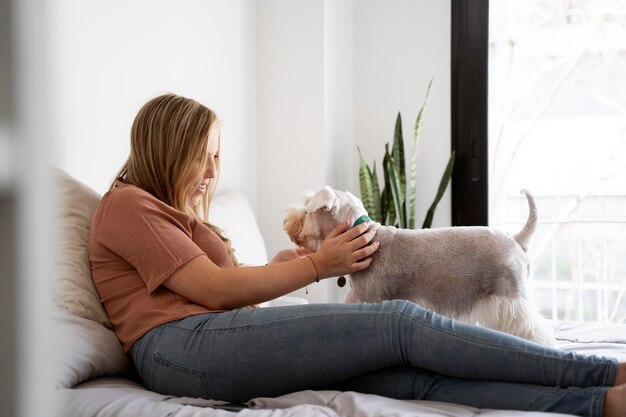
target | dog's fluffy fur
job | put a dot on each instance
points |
(472, 274)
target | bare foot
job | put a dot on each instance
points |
(620, 377)
(615, 402)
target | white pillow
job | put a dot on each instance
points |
(74, 289)
(231, 212)
(83, 349)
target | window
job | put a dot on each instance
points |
(555, 73)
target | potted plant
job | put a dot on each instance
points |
(395, 205)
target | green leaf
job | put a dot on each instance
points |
(385, 203)
(369, 189)
(443, 184)
(413, 175)
(387, 207)
(394, 181)
(398, 156)
(396, 204)
(376, 192)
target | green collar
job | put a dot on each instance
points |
(364, 218)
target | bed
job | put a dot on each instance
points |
(93, 377)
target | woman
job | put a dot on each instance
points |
(171, 285)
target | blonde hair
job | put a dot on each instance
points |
(168, 146)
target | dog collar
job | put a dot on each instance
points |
(364, 218)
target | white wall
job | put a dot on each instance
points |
(111, 56)
(290, 111)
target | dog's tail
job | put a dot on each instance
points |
(523, 237)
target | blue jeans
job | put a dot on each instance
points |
(394, 348)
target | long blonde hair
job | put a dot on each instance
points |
(168, 146)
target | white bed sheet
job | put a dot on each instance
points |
(119, 397)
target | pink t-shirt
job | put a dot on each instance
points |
(136, 243)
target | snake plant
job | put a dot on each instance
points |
(394, 206)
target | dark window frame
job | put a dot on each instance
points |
(469, 106)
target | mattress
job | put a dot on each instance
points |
(120, 397)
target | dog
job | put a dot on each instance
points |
(472, 274)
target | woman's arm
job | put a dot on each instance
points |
(289, 255)
(206, 284)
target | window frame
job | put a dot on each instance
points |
(469, 111)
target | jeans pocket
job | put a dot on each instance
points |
(171, 378)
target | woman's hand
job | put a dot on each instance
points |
(288, 255)
(345, 250)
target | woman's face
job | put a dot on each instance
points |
(210, 170)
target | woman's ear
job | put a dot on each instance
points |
(324, 199)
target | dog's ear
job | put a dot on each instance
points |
(293, 222)
(306, 196)
(354, 201)
(351, 196)
(324, 199)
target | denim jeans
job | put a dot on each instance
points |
(394, 348)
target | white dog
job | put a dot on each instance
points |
(472, 274)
